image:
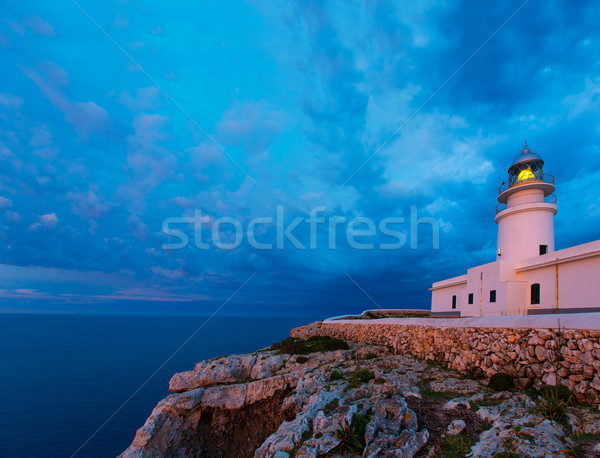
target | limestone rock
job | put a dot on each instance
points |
(234, 368)
(329, 423)
(267, 365)
(269, 404)
(456, 427)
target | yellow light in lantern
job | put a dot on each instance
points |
(525, 174)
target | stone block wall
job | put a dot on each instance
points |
(533, 357)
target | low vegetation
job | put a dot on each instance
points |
(295, 346)
(360, 376)
(335, 375)
(352, 436)
(427, 392)
(456, 446)
(301, 359)
(553, 402)
(501, 382)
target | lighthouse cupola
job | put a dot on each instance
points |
(525, 214)
(527, 167)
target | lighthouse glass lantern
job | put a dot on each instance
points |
(528, 167)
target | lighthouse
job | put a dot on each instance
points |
(526, 209)
(528, 276)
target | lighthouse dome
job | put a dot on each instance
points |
(526, 171)
(526, 167)
(526, 155)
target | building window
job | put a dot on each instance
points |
(470, 298)
(453, 302)
(493, 295)
(543, 249)
(535, 293)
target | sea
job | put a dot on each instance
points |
(69, 380)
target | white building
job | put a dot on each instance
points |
(528, 276)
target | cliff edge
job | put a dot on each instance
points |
(315, 395)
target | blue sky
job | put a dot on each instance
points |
(246, 106)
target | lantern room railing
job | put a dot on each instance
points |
(551, 199)
(545, 178)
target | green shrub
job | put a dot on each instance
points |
(506, 455)
(301, 359)
(335, 375)
(370, 355)
(360, 376)
(501, 382)
(295, 346)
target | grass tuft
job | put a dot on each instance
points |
(456, 446)
(352, 436)
(553, 403)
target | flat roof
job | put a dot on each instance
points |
(574, 253)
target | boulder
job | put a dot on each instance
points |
(227, 369)
(456, 427)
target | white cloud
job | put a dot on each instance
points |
(11, 101)
(587, 100)
(85, 117)
(5, 202)
(49, 220)
(12, 217)
(39, 26)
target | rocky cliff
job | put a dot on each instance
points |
(318, 396)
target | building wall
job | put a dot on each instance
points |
(517, 297)
(441, 296)
(546, 277)
(480, 281)
(578, 280)
(579, 284)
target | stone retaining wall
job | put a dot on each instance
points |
(533, 357)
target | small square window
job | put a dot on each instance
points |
(493, 295)
(543, 249)
(470, 298)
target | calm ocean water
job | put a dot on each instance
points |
(62, 376)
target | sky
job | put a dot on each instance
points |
(119, 116)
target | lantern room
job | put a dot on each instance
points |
(525, 168)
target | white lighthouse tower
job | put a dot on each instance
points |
(528, 277)
(525, 215)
